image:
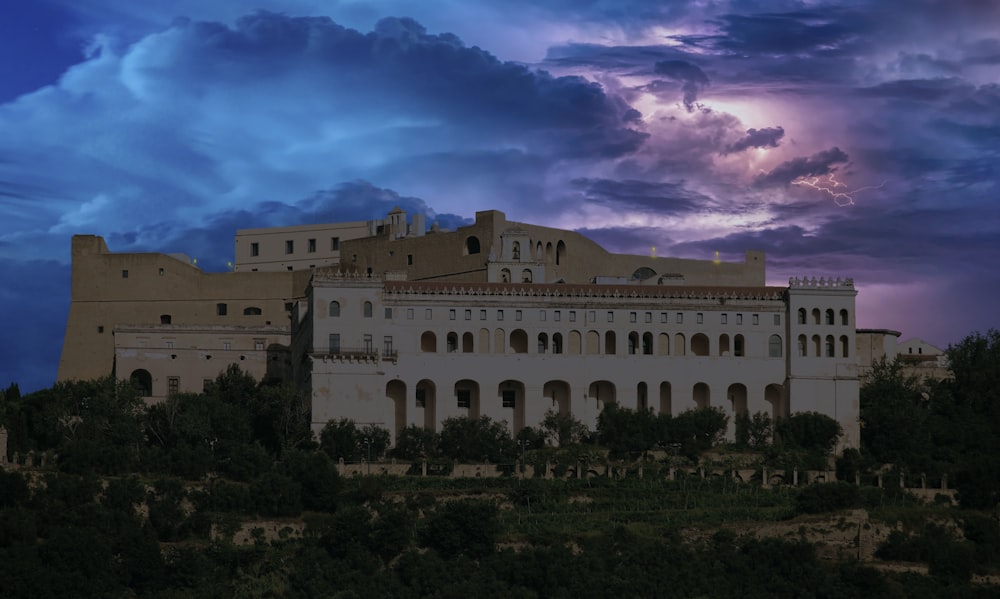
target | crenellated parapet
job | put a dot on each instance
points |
(822, 282)
(625, 292)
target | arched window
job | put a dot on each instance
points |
(829, 346)
(452, 342)
(647, 344)
(142, 381)
(428, 342)
(516, 250)
(467, 341)
(802, 346)
(699, 345)
(844, 347)
(829, 316)
(642, 397)
(252, 311)
(633, 342)
(368, 310)
(739, 346)
(610, 343)
(815, 315)
(843, 317)
(723, 345)
(802, 315)
(334, 309)
(472, 245)
(526, 275)
(816, 346)
(519, 341)
(774, 346)
(557, 343)
(543, 343)
(560, 252)
(505, 275)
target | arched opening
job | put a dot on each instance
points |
(737, 395)
(701, 395)
(602, 391)
(499, 341)
(574, 343)
(395, 392)
(829, 347)
(829, 316)
(739, 346)
(723, 344)
(633, 342)
(642, 273)
(426, 403)
(467, 398)
(663, 344)
(557, 343)
(558, 393)
(774, 395)
(142, 381)
(816, 316)
(802, 346)
(641, 397)
(428, 342)
(505, 275)
(165, 319)
(452, 342)
(484, 341)
(680, 345)
(367, 309)
(844, 347)
(252, 311)
(543, 343)
(334, 309)
(510, 394)
(774, 346)
(519, 341)
(699, 344)
(610, 343)
(467, 343)
(526, 276)
(647, 344)
(802, 316)
(538, 251)
(666, 399)
(516, 250)
(549, 253)
(593, 343)
(560, 252)
(844, 318)
(471, 245)
(816, 346)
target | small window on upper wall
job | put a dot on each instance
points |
(367, 310)
(254, 249)
(756, 319)
(124, 274)
(311, 246)
(251, 311)
(777, 320)
(409, 259)
(165, 319)
(161, 272)
(700, 318)
(388, 313)
(221, 309)
(289, 246)
(334, 244)
(680, 318)
(334, 309)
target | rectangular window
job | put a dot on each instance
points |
(334, 343)
(173, 385)
(611, 316)
(124, 274)
(311, 246)
(541, 315)
(161, 272)
(700, 318)
(725, 319)
(334, 244)
(499, 314)
(387, 345)
(258, 344)
(755, 319)
(421, 397)
(631, 317)
(227, 345)
(468, 314)
(289, 246)
(592, 316)
(100, 328)
(451, 314)
(739, 319)
(388, 313)
(409, 314)
(680, 318)
(367, 340)
(428, 314)
(482, 315)
(558, 315)
(509, 398)
(464, 398)
(572, 315)
(777, 320)
(517, 315)
(170, 344)
(663, 317)
(221, 309)
(409, 259)
(649, 317)
(255, 249)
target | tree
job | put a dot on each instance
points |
(562, 429)
(469, 528)
(810, 431)
(698, 430)
(339, 439)
(476, 439)
(753, 431)
(416, 442)
(893, 414)
(626, 432)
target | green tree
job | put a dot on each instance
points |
(469, 528)
(563, 429)
(476, 439)
(339, 439)
(416, 442)
(893, 414)
(698, 430)
(625, 431)
(810, 431)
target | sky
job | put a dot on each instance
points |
(854, 138)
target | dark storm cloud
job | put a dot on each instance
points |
(925, 90)
(692, 79)
(766, 137)
(778, 34)
(820, 163)
(655, 196)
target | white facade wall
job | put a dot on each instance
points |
(495, 347)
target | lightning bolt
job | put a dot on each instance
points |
(831, 187)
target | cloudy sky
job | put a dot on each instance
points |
(855, 138)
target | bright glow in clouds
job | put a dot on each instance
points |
(692, 127)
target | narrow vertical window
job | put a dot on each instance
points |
(311, 246)
(289, 246)
(221, 309)
(334, 244)
(255, 249)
